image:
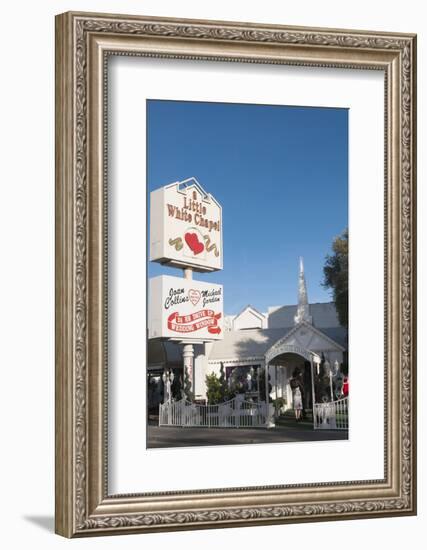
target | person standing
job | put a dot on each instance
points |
(345, 387)
(297, 389)
(297, 403)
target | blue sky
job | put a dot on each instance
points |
(281, 176)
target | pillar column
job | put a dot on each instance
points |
(268, 406)
(314, 360)
(188, 349)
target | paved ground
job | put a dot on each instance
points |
(189, 437)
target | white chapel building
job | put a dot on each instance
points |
(283, 338)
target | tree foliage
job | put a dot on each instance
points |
(216, 387)
(213, 389)
(335, 273)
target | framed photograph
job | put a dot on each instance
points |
(235, 274)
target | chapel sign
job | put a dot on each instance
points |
(185, 309)
(186, 227)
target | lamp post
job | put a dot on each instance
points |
(165, 389)
(313, 359)
(268, 412)
(171, 379)
(168, 378)
(329, 371)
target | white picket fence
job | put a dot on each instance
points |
(236, 413)
(331, 415)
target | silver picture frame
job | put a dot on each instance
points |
(84, 41)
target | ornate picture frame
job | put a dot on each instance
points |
(84, 42)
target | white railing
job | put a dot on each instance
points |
(236, 413)
(331, 416)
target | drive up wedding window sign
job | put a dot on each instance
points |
(183, 309)
(235, 274)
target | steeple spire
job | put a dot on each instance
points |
(303, 313)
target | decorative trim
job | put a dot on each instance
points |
(80, 284)
(252, 310)
(230, 362)
(309, 327)
(263, 513)
(237, 32)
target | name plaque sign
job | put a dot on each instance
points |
(185, 309)
(185, 227)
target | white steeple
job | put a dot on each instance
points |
(303, 313)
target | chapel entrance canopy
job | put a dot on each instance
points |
(281, 348)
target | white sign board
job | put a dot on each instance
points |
(185, 309)
(185, 227)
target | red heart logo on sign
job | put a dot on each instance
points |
(193, 243)
(194, 296)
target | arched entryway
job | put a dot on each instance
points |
(282, 362)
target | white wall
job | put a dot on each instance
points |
(27, 276)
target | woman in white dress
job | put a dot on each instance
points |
(297, 402)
